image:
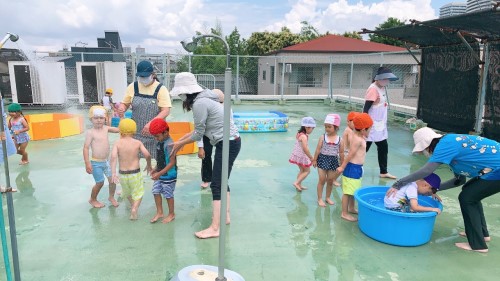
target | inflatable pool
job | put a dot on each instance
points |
(392, 227)
(259, 121)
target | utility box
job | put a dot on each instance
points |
(95, 77)
(38, 83)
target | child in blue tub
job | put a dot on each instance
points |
(406, 199)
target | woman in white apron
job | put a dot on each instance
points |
(376, 106)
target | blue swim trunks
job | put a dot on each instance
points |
(100, 169)
(165, 188)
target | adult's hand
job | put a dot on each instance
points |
(145, 130)
(436, 197)
(121, 109)
(176, 146)
(391, 192)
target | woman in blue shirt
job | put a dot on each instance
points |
(468, 156)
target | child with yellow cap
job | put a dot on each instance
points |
(126, 152)
(107, 103)
(352, 167)
(97, 141)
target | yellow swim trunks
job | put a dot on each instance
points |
(350, 185)
(132, 185)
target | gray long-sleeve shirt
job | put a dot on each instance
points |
(208, 115)
(426, 170)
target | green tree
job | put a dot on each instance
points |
(389, 23)
(352, 34)
(308, 32)
(262, 43)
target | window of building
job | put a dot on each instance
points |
(264, 75)
(271, 78)
(306, 76)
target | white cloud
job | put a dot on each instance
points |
(75, 14)
(159, 25)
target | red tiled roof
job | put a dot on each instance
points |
(340, 44)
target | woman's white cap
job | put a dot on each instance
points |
(423, 138)
(185, 83)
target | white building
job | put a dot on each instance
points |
(452, 9)
(478, 5)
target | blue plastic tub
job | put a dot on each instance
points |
(392, 227)
(260, 121)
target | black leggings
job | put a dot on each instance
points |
(206, 163)
(470, 198)
(382, 151)
(234, 149)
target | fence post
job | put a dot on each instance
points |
(350, 79)
(237, 76)
(330, 79)
(282, 79)
(484, 73)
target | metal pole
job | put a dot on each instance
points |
(330, 80)
(275, 76)
(237, 77)
(282, 79)
(10, 209)
(350, 78)
(482, 90)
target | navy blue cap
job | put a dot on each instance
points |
(144, 68)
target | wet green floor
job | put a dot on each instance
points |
(275, 232)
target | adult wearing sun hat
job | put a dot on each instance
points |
(376, 106)
(208, 115)
(468, 156)
(149, 100)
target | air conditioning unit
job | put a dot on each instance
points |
(94, 77)
(40, 83)
(414, 69)
(288, 68)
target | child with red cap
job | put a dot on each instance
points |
(326, 158)
(165, 173)
(352, 166)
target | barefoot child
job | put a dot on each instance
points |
(107, 103)
(300, 154)
(326, 158)
(352, 166)
(96, 139)
(126, 152)
(19, 129)
(406, 198)
(165, 173)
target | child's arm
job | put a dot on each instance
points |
(303, 143)
(341, 150)
(353, 149)
(113, 129)
(146, 154)
(114, 157)
(418, 208)
(9, 124)
(157, 175)
(316, 153)
(86, 150)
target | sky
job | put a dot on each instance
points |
(159, 25)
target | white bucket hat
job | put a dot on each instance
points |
(308, 122)
(423, 138)
(185, 84)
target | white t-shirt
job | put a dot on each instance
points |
(402, 197)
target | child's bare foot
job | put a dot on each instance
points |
(297, 186)
(169, 218)
(486, 239)
(321, 203)
(207, 233)
(388, 176)
(204, 185)
(113, 201)
(118, 192)
(303, 187)
(329, 201)
(336, 183)
(24, 162)
(156, 218)
(466, 246)
(228, 218)
(353, 211)
(348, 217)
(96, 204)
(133, 214)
